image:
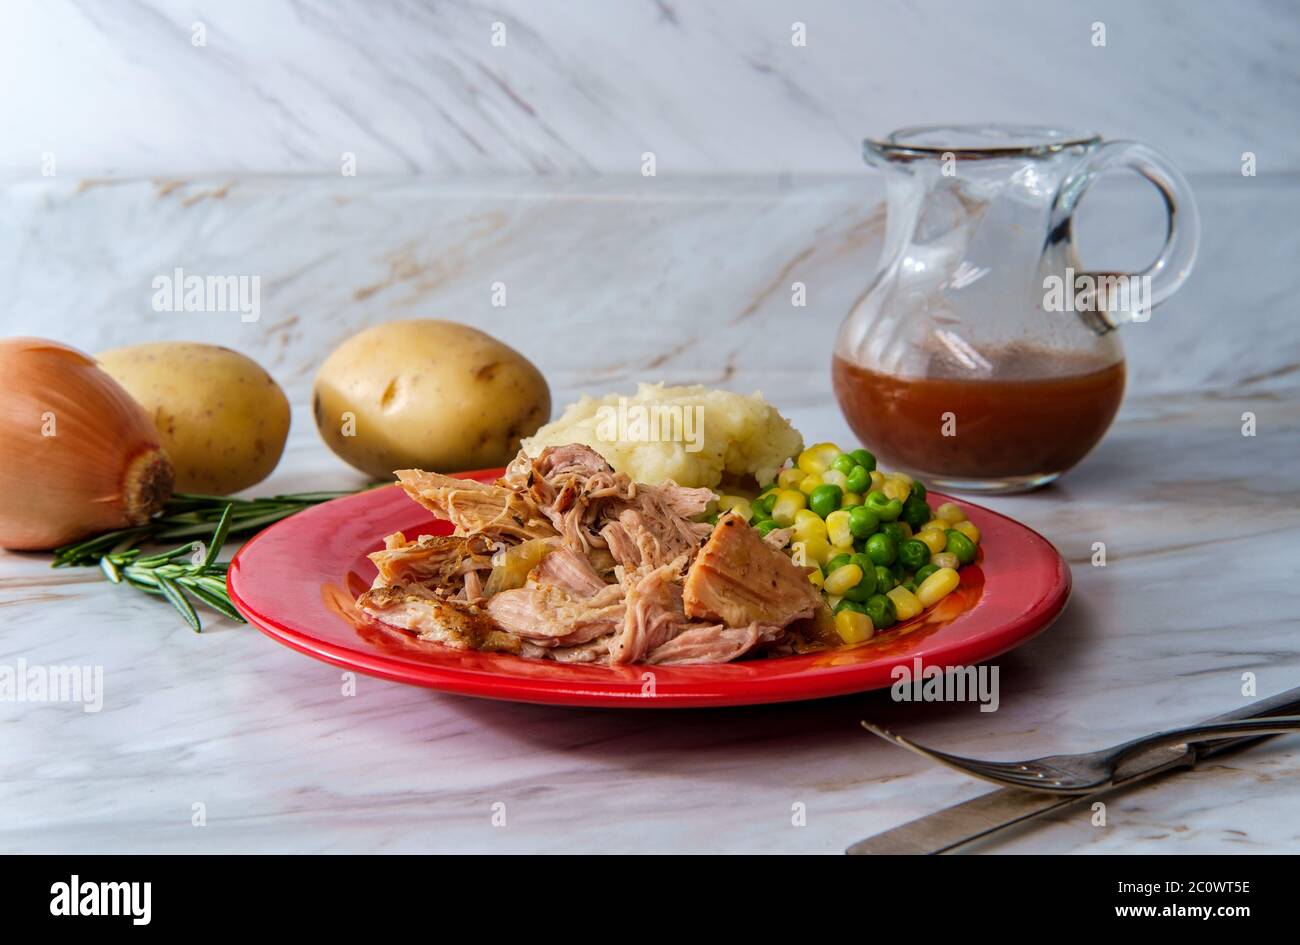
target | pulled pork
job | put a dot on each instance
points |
(627, 574)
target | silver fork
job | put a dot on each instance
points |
(1086, 772)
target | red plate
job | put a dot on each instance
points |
(296, 581)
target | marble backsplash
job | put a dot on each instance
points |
(605, 282)
(587, 86)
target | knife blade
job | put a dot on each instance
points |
(986, 815)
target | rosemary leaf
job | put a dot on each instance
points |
(180, 602)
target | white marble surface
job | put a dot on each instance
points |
(1200, 526)
(589, 86)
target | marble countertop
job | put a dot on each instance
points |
(1200, 524)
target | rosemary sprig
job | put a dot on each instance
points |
(182, 572)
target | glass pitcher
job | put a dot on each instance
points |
(983, 356)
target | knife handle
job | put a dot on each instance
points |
(1284, 703)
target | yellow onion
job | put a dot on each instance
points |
(77, 455)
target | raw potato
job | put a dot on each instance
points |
(427, 394)
(222, 418)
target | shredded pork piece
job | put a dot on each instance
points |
(476, 508)
(712, 644)
(566, 569)
(548, 616)
(654, 614)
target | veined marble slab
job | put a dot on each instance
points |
(526, 87)
(676, 280)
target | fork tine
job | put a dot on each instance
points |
(966, 765)
(1001, 773)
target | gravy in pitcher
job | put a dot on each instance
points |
(1036, 415)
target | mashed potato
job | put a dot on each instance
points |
(692, 435)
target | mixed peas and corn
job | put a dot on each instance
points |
(873, 545)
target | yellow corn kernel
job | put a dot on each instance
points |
(790, 478)
(837, 528)
(808, 524)
(968, 529)
(736, 503)
(906, 605)
(810, 482)
(948, 512)
(877, 481)
(832, 601)
(901, 477)
(937, 586)
(818, 458)
(788, 502)
(853, 627)
(833, 477)
(816, 578)
(817, 550)
(842, 579)
(894, 489)
(934, 539)
(851, 499)
(945, 559)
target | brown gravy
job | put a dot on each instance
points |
(1041, 417)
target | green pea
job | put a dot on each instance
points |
(916, 512)
(886, 508)
(764, 526)
(838, 561)
(914, 554)
(825, 499)
(885, 580)
(881, 611)
(882, 549)
(925, 572)
(867, 586)
(712, 519)
(863, 522)
(960, 545)
(918, 490)
(895, 531)
(910, 585)
(762, 506)
(857, 479)
(864, 459)
(844, 463)
(846, 604)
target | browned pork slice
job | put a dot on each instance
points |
(566, 569)
(457, 624)
(550, 617)
(712, 644)
(436, 560)
(476, 508)
(740, 579)
(654, 614)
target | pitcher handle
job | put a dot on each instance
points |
(1183, 229)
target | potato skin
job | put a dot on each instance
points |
(222, 418)
(427, 394)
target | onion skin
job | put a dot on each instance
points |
(103, 468)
